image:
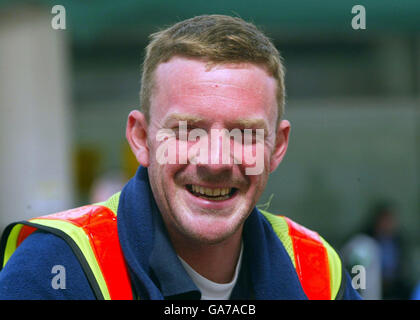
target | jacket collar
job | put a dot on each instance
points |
(157, 272)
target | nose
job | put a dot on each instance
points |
(219, 157)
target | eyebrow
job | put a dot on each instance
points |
(191, 119)
(252, 123)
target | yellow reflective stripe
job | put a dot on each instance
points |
(111, 203)
(334, 263)
(281, 229)
(11, 242)
(82, 241)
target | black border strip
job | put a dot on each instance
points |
(72, 244)
(343, 284)
(3, 241)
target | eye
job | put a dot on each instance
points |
(182, 133)
(249, 136)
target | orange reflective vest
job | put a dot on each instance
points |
(91, 232)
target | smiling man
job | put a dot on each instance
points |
(212, 98)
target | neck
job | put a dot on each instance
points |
(216, 262)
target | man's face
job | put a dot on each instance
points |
(228, 96)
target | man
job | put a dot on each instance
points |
(186, 226)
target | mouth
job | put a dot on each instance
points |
(212, 194)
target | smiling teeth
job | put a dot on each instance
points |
(211, 191)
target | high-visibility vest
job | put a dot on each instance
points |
(91, 232)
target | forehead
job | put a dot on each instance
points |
(221, 91)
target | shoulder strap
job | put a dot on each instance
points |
(91, 232)
(311, 261)
(317, 264)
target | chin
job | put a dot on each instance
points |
(209, 235)
(209, 227)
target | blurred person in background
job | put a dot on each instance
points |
(185, 230)
(384, 228)
(363, 250)
(105, 186)
(415, 295)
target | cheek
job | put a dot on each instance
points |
(256, 159)
(164, 183)
(163, 162)
(171, 151)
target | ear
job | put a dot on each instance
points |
(282, 141)
(136, 134)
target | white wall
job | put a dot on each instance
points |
(35, 176)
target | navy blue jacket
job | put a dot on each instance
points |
(266, 273)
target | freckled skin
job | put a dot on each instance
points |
(208, 236)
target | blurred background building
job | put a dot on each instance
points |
(353, 98)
